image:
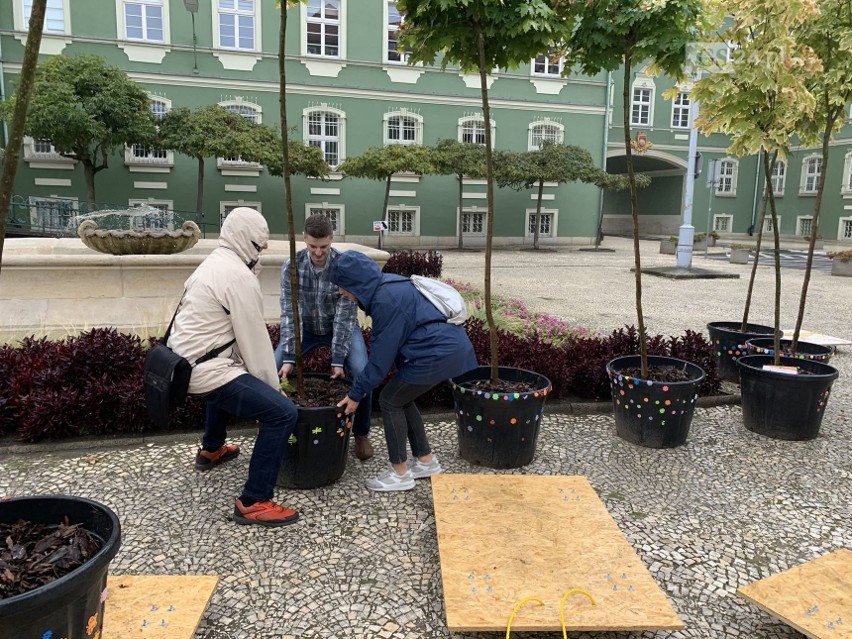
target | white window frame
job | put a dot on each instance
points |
(239, 106)
(23, 8)
(779, 178)
(121, 20)
(237, 13)
(809, 182)
(846, 186)
(403, 208)
(542, 65)
(842, 224)
(642, 83)
(480, 121)
(800, 224)
(338, 226)
(159, 106)
(729, 222)
(473, 210)
(36, 200)
(681, 106)
(727, 180)
(545, 123)
(554, 217)
(392, 29)
(324, 22)
(41, 160)
(168, 205)
(320, 140)
(399, 115)
(233, 204)
(767, 223)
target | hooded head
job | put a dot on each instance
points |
(245, 232)
(358, 274)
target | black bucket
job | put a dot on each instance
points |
(71, 607)
(649, 413)
(805, 350)
(316, 453)
(729, 344)
(783, 406)
(499, 430)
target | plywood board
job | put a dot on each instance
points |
(815, 598)
(503, 538)
(161, 606)
(817, 338)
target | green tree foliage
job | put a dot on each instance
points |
(451, 157)
(303, 159)
(382, 163)
(761, 98)
(210, 132)
(88, 110)
(480, 35)
(609, 34)
(19, 114)
(550, 163)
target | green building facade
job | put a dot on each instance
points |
(350, 89)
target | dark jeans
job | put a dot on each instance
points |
(354, 363)
(249, 398)
(402, 420)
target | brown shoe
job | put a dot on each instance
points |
(363, 448)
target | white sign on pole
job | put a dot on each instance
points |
(380, 225)
(713, 173)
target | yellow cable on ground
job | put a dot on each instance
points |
(515, 611)
(573, 591)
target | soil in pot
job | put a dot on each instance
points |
(659, 373)
(318, 391)
(502, 386)
(37, 554)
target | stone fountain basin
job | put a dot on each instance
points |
(139, 242)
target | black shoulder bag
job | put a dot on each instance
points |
(166, 377)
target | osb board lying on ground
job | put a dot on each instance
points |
(815, 598)
(168, 607)
(503, 538)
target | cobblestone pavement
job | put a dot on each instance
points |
(728, 508)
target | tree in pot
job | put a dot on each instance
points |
(316, 453)
(609, 34)
(72, 605)
(762, 101)
(481, 35)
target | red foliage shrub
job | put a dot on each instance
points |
(408, 263)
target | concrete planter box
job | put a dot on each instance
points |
(844, 269)
(668, 247)
(739, 256)
(699, 246)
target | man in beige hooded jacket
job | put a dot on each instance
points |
(223, 304)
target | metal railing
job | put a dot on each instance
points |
(43, 216)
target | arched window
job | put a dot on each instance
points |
(325, 127)
(472, 130)
(545, 131)
(403, 127)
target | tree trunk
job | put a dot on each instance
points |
(767, 167)
(22, 103)
(537, 214)
(89, 173)
(461, 214)
(489, 194)
(384, 215)
(747, 309)
(199, 188)
(634, 214)
(288, 197)
(826, 137)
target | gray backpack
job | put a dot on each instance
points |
(443, 297)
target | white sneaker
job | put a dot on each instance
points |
(419, 470)
(390, 481)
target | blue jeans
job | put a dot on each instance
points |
(249, 398)
(354, 363)
(402, 419)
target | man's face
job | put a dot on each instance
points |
(318, 248)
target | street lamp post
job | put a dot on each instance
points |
(687, 231)
(712, 182)
(192, 7)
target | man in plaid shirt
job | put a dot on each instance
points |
(327, 318)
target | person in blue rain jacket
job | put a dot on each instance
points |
(408, 331)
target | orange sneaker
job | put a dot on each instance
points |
(264, 513)
(205, 460)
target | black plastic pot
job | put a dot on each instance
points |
(783, 406)
(806, 350)
(316, 454)
(649, 413)
(71, 607)
(729, 344)
(499, 430)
